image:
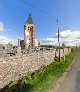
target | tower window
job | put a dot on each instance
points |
(31, 27)
(28, 27)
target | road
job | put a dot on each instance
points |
(71, 82)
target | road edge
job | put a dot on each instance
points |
(60, 80)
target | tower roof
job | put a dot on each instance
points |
(29, 20)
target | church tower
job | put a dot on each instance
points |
(30, 39)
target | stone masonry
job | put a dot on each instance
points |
(13, 68)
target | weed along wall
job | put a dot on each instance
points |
(44, 79)
(14, 68)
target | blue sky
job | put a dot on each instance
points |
(14, 13)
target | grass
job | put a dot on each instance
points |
(43, 79)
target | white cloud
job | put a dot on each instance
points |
(5, 40)
(2, 26)
(69, 37)
(70, 34)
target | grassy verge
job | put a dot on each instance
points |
(43, 79)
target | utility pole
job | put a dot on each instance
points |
(59, 38)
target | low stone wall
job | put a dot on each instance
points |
(13, 68)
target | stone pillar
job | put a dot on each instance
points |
(68, 49)
(15, 50)
(55, 53)
(64, 54)
(18, 42)
(19, 48)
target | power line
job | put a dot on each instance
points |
(37, 8)
(41, 10)
(34, 6)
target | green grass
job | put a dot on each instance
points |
(43, 79)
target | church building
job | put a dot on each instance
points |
(30, 39)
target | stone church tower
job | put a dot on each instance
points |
(30, 39)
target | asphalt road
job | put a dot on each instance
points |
(71, 82)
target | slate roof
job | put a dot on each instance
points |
(29, 20)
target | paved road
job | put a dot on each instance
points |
(71, 82)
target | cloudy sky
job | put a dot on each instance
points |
(68, 37)
(14, 13)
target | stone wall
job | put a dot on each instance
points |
(13, 68)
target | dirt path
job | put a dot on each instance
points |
(71, 81)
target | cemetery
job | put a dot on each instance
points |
(18, 65)
(28, 56)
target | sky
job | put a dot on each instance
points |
(14, 14)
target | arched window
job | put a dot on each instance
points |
(28, 27)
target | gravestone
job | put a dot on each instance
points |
(1, 47)
(9, 48)
(15, 50)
